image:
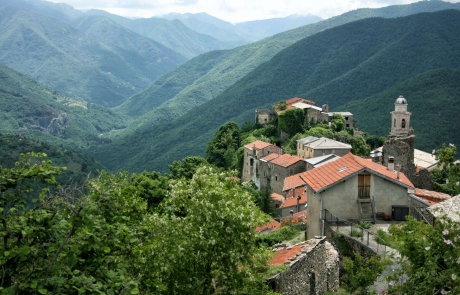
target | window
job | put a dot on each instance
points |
(251, 162)
(394, 123)
(348, 125)
(403, 123)
(346, 118)
(277, 206)
(276, 178)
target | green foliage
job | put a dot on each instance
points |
(186, 168)
(221, 149)
(78, 166)
(152, 187)
(320, 132)
(447, 178)
(383, 238)
(285, 233)
(360, 272)
(356, 233)
(291, 121)
(365, 224)
(212, 223)
(69, 243)
(337, 122)
(431, 257)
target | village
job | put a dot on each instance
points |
(331, 190)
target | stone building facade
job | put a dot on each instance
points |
(252, 154)
(263, 117)
(274, 168)
(313, 268)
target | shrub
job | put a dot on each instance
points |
(365, 224)
(356, 233)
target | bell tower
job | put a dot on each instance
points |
(400, 118)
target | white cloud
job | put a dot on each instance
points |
(232, 10)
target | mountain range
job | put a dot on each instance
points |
(347, 63)
(165, 106)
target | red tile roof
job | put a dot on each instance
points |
(331, 173)
(286, 160)
(298, 99)
(272, 225)
(258, 145)
(270, 157)
(277, 197)
(292, 200)
(283, 255)
(431, 197)
(296, 217)
(293, 181)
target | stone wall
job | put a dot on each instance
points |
(313, 271)
(402, 149)
(351, 244)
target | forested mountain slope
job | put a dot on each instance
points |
(433, 99)
(336, 66)
(205, 77)
(102, 62)
(31, 109)
(172, 34)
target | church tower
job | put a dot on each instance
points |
(400, 118)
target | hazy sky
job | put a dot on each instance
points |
(231, 10)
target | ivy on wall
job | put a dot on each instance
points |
(291, 121)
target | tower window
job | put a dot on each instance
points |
(403, 123)
(394, 123)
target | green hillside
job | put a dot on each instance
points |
(78, 166)
(38, 113)
(210, 74)
(172, 34)
(209, 25)
(100, 62)
(336, 66)
(433, 98)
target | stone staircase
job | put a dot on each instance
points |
(367, 209)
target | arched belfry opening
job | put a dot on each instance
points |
(400, 114)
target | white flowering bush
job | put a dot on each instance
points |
(212, 223)
(430, 257)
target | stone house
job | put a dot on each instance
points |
(252, 154)
(274, 168)
(311, 147)
(349, 121)
(353, 188)
(313, 268)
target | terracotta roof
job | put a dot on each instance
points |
(331, 173)
(431, 197)
(298, 99)
(286, 160)
(296, 217)
(258, 145)
(270, 157)
(272, 225)
(292, 200)
(283, 255)
(277, 197)
(293, 181)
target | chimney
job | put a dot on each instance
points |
(398, 167)
(391, 163)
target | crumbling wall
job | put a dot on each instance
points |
(314, 270)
